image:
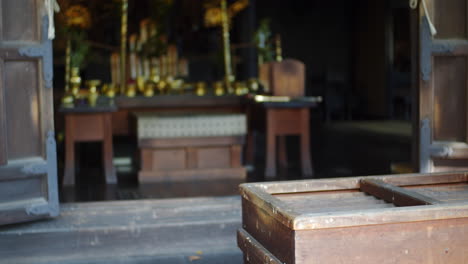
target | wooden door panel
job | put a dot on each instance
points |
(28, 172)
(21, 93)
(450, 19)
(450, 85)
(443, 86)
(19, 20)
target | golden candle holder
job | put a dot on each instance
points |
(240, 88)
(93, 94)
(75, 81)
(123, 46)
(200, 88)
(218, 88)
(131, 90)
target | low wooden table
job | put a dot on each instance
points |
(85, 124)
(414, 218)
(282, 119)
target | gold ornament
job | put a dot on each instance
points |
(78, 16)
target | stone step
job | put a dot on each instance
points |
(141, 231)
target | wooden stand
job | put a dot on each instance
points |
(182, 159)
(412, 218)
(84, 127)
(282, 122)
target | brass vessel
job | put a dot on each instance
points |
(140, 82)
(240, 88)
(109, 90)
(93, 94)
(253, 85)
(131, 90)
(75, 81)
(200, 88)
(218, 88)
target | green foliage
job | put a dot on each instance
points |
(262, 39)
(80, 48)
(160, 13)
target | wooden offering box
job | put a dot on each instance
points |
(418, 218)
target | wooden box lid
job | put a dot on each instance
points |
(359, 201)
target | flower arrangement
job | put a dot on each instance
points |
(77, 21)
(263, 41)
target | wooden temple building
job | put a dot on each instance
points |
(233, 131)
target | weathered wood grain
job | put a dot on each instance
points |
(254, 252)
(128, 231)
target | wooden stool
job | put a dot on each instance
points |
(85, 127)
(280, 123)
(286, 79)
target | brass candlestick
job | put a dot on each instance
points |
(123, 46)
(67, 65)
(68, 97)
(228, 77)
(279, 49)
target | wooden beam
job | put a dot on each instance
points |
(191, 142)
(394, 194)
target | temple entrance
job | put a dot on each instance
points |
(383, 82)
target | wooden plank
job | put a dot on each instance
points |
(380, 216)
(191, 175)
(235, 155)
(254, 252)
(167, 159)
(176, 101)
(446, 193)
(273, 235)
(393, 194)
(272, 206)
(191, 142)
(214, 157)
(436, 242)
(192, 158)
(146, 156)
(353, 183)
(318, 202)
(121, 231)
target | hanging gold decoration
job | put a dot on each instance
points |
(213, 13)
(78, 16)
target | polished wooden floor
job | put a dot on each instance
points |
(339, 149)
